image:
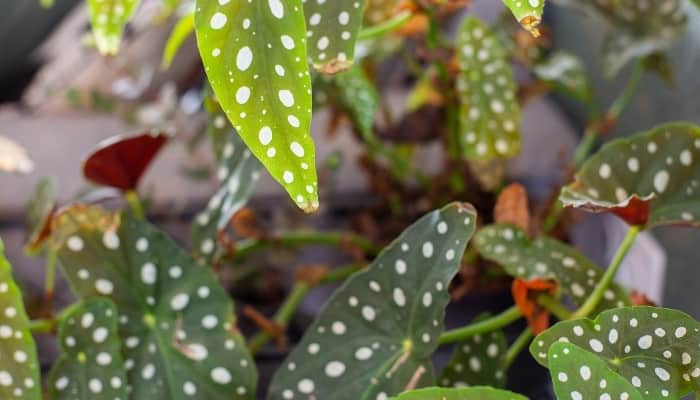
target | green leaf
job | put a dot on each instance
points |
(528, 13)
(566, 73)
(650, 179)
(470, 393)
(375, 335)
(332, 31)
(254, 53)
(180, 33)
(579, 374)
(477, 360)
(19, 368)
(489, 113)
(176, 321)
(47, 3)
(39, 211)
(546, 258)
(91, 365)
(108, 19)
(655, 349)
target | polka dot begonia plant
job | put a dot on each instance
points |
(527, 12)
(108, 19)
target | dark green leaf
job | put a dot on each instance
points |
(176, 321)
(652, 178)
(566, 73)
(91, 365)
(375, 335)
(477, 360)
(489, 114)
(655, 349)
(527, 12)
(254, 53)
(470, 393)
(108, 19)
(19, 369)
(546, 258)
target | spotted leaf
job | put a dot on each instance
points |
(579, 374)
(332, 31)
(254, 53)
(468, 393)
(477, 360)
(375, 335)
(108, 19)
(528, 13)
(566, 73)
(19, 369)
(175, 320)
(91, 365)
(650, 179)
(120, 161)
(489, 113)
(655, 349)
(546, 258)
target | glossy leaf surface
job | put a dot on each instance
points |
(375, 335)
(108, 19)
(477, 360)
(527, 12)
(566, 73)
(120, 161)
(650, 179)
(655, 349)
(489, 111)
(470, 393)
(176, 321)
(19, 368)
(91, 365)
(332, 32)
(254, 53)
(546, 258)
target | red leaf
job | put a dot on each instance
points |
(120, 161)
(525, 294)
(636, 212)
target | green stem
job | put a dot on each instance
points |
(50, 277)
(135, 203)
(554, 306)
(596, 297)
(624, 99)
(385, 27)
(507, 317)
(42, 325)
(517, 347)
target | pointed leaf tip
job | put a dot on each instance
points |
(528, 13)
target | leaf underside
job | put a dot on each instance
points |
(469, 393)
(108, 19)
(91, 365)
(655, 349)
(175, 320)
(650, 179)
(489, 110)
(546, 258)
(254, 53)
(388, 318)
(528, 13)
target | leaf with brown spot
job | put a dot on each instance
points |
(512, 207)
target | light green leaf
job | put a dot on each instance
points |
(579, 374)
(655, 349)
(489, 113)
(176, 321)
(546, 258)
(375, 335)
(477, 360)
(108, 19)
(181, 31)
(566, 73)
(19, 368)
(254, 53)
(91, 365)
(47, 3)
(650, 179)
(528, 13)
(39, 211)
(469, 393)
(332, 31)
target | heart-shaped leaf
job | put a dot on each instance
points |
(477, 360)
(528, 13)
(254, 53)
(655, 349)
(566, 73)
(120, 161)
(546, 258)
(375, 335)
(108, 19)
(332, 32)
(469, 393)
(176, 321)
(578, 374)
(91, 365)
(650, 179)
(19, 369)
(489, 113)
